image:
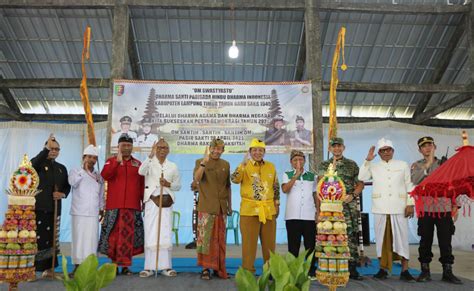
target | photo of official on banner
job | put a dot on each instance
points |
(189, 114)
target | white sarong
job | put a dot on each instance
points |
(399, 224)
(150, 224)
(85, 237)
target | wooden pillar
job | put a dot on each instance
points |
(120, 39)
(314, 73)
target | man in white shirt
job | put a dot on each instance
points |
(300, 186)
(86, 207)
(391, 206)
(159, 173)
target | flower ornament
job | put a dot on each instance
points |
(331, 190)
(331, 187)
(22, 181)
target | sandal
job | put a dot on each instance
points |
(47, 274)
(126, 271)
(146, 273)
(205, 274)
(169, 273)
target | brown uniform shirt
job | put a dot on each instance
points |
(214, 187)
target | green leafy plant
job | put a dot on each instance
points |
(289, 274)
(87, 276)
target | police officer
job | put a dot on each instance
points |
(125, 123)
(348, 171)
(436, 213)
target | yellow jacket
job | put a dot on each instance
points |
(259, 189)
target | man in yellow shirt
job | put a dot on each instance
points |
(260, 204)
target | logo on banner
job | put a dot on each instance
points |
(119, 90)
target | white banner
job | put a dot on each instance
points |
(190, 114)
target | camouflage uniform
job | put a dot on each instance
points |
(348, 171)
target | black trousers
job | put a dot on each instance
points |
(444, 229)
(296, 229)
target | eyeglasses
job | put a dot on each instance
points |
(55, 149)
(387, 150)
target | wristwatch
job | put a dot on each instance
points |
(202, 165)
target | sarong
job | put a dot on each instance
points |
(122, 235)
(85, 237)
(151, 237)
(44, 239)
(391, 232)
(211, 243)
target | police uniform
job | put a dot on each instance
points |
(437, 212)
(131, 134)
(348, 171)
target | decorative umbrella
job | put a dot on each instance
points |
(452, 179)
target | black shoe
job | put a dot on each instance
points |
(191, 245)
(448, 275)
(353, 273)
(425, 274)
(381, 274)
(71, 275)
(406, 276)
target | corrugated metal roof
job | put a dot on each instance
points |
(183, 44)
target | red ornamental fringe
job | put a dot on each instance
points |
(451, 190)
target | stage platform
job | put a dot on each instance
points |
(188, 277)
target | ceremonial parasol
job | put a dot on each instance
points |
(452, 179)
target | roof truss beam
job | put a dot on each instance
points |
(245, 4)
(64, 83)
(52, 83)
(399, 88)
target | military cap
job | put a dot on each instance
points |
(336, 140)
(299, 117)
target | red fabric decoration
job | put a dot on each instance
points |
(453, 178)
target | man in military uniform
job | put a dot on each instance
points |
(348, 171)
(436, 212)
(125, 123)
